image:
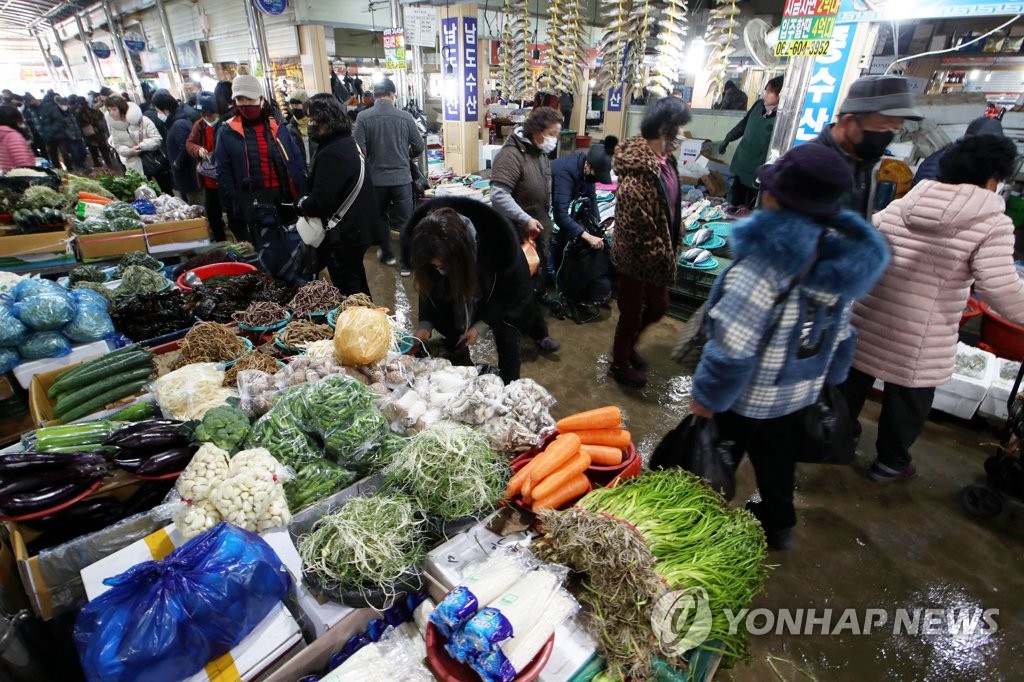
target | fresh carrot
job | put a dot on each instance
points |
(615, 438)
(90, 198)
(602, 418)
(527, 488)
(515, 484)
(571, 491)
(573, 468)
(557, 453)
(527, 500)
(603, 455)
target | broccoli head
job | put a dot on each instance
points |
(225, 426)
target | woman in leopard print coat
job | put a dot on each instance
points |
(646, 242)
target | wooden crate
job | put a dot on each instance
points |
(160, 234)
(34, 244)
(109, 244)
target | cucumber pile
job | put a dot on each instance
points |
(96, 383)
(40, 217)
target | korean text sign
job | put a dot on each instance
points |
(823, 91)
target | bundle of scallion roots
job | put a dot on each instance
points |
(662, 531)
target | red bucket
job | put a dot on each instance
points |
(972, 310)
(215, 269)
(999, 336)
(448, 670)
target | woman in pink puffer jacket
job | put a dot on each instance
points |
(945, 237)
(14, 148)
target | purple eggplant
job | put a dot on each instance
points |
(49, 478)
(154, 441)
(166, 462)
(139, 427)
(82, 512)
(24, 462)
(19, 504)
(129, 462)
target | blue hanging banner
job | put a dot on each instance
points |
(135, 42)
(450, 58)
(101, 49)
(272, 7)
(470, 100)
(823, 91)
(615, 99)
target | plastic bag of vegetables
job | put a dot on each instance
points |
(119, 209)
(166, 619)
(35, 285)
(90, 297)
(46, 310)
(9, 359)
(44, 345)
(12, 330)
(91, 323)
(361, 336)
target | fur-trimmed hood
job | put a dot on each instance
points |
(851, 259)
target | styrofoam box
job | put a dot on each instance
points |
(87, 351)
(994, 404)
(961, 396)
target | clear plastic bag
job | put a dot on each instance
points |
(191, 391)
(44, 345)
(256, 389)
(91, 323)
(9, 359)
(284, 436)
(35, 285)
(243, 498)
(90, 297)
(46, 310)
(12, 330)
(166, 619)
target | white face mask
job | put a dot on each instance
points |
(162, 116)
(548, 145)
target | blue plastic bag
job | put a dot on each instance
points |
(35, 285)
(165, 620)
(91, 323)
(12, 330)
(46, 311)
(90, 297)
(40, 345)
(9, 359)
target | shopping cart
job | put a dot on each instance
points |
(583, 276)
(1004, 470)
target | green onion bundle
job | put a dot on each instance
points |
(698, 541)
(450, 470)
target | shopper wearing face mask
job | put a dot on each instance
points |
(646, 244)
(202, 141)
(179, 127)
(869, 119)
(334, 176)
(946, 236)
(521, 191)
(131, 133)
(298, 125)
(756, 132)
(62, 133)
(261, 175)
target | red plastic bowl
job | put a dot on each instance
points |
(448, 670)
(972, 310)
(999, 336)
(213, 270)
(629, 467)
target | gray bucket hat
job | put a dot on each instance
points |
(886, 95)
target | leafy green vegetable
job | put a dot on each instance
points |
(123, 187)
(139, 280)
(120, 209)
(78, 184)
(86, 273)
(97, 287)
(450, 471)
(41, 196)
(140, 258)
(8, 200)
(225, 426)
(315, 481)
(91, 226)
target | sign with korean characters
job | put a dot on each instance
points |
(421, 26)
(615, 99)
(450, 58)
(823, 90)
(807, 27)
(470, 70)
(394, 49)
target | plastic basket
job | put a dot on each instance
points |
(448, 670)
(972, 310)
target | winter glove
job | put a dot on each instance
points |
(724, 146)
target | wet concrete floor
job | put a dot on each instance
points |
(860, 545)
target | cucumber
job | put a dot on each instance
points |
(69, 400)
(99, 402)
(102, 370)
(77, 435)
(135, 413)
(84, 366)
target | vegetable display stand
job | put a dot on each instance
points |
(215, 270)
(448, 670)
(107, 244)
(176, 232)
(58, 508)
(1000, 336)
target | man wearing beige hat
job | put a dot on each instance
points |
(869, 118)
(298, 124)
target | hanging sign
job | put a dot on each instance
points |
(271, 7)
(421, 26)
(394, 49)
(100, 49)
(450, 58)
(470, 72)
(900, 10)
(806, 28)
(615, 99)
(135, 42)
(823, 91)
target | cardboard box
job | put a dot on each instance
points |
(109, 244)
(41, 407)
(314, 658)
(34, 244)
(276, 636)
(175, 231)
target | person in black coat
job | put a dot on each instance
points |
(471, 274)
(333, 176)
(179, 127)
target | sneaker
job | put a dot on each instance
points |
(628, 377)
(386, 260)
(638, 361)
(777, 538)
(884, 474)
(548, 344)
(405, 271)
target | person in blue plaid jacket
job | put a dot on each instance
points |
(778, 320)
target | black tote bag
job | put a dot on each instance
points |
(694, 445)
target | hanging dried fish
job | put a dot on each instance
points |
(613, 45)
(721, 33)
(670, 55)
(514, 52)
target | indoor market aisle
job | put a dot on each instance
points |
(860, 545)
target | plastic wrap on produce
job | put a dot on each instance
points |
(188, 393)
(40, 345)
(9, 359)
(46, 310)
(256, 391)
(12, 330)
(362, 336)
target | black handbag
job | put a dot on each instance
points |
(694, 445)
(154, 163)
(827, 431)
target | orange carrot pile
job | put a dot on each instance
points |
(601, 433)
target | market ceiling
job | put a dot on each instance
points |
(16, 16)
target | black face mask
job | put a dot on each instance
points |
(298, 113)
(874, 144)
